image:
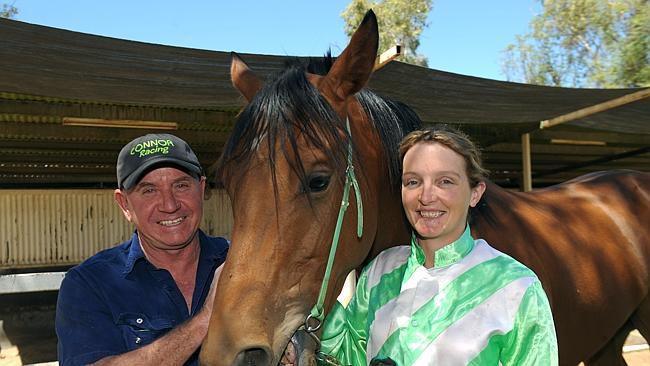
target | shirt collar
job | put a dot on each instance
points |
(447, 255)
(135, 253)
(208, 252)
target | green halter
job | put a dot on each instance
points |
(317, 312)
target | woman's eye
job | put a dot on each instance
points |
(410, 183)
(446, 181)
(318, 183)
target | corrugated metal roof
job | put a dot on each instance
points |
(48, 73)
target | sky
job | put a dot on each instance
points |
(463, 36)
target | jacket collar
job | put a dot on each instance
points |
(447, 255)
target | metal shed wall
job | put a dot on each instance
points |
(44, 228)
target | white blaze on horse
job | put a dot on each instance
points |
(284, 168)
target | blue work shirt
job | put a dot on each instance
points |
(117, 301)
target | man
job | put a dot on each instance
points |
(147, 301)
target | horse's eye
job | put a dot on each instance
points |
(318, 183)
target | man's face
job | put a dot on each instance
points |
(166, 207)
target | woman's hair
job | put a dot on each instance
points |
(456, 141)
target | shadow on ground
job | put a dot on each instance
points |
(28, 323)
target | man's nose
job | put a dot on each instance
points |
(169, 202)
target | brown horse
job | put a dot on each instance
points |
(284, 167)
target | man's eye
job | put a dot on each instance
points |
(183, 185)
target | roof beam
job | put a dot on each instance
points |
(604, 159)
(65, 169)
(388, 56)
(34, 155)
(44, 112)
(119, 123)
(558, 159)
(596, 108)
(611, 138)
(19, 180)
(97, 138)
(555, 149)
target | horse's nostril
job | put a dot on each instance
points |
(253, 357)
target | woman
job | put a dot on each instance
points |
(446, 299)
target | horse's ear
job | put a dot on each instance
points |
(243, 78)
(353, 67)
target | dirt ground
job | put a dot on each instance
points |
(638, 358)
(28, 335)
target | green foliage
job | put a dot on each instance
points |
(584, 43)
(8, 11)
(400, 22)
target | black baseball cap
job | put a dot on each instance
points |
(147, 152)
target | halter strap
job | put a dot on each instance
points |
(317, 312)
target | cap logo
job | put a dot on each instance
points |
(157, 146)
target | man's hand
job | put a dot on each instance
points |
(204, 315)
(175, 347)
(207, 306)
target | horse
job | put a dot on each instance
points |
(286, 166)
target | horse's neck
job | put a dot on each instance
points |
(501, 212)
(392, 226)
(487, 211)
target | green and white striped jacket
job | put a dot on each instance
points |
(476, 306)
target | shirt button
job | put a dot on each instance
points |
(138, 340)
(414, 323)
(139, 320)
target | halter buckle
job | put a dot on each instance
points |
(308, 328)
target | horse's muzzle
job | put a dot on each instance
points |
(253, 356)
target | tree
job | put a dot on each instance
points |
(8, 11)
(400, 22)
(584, 43)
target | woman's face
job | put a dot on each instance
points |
(436, 193)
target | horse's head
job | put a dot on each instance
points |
(284, 168)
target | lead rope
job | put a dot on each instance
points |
(317, 312)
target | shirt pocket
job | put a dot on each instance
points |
(139, 329)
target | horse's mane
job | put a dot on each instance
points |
(392, 120)
(289, 106)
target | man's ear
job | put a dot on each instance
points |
(120, 198)
(203, 181)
